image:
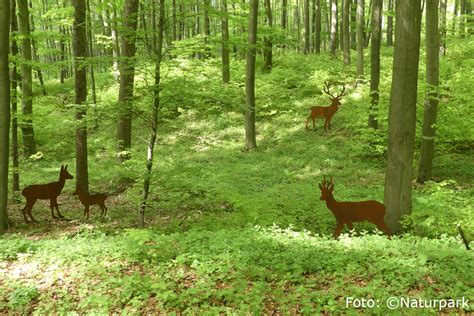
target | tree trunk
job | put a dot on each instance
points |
(317, 22)
(390, 23)
(4, 112)
(127, 74)
(250, 137)
(79, 45)
(115, 42)
(154, 118)
(375, 61)
(14, 98)
(443, 26)
(432, 84)
(346, 33)
(26, 80)
(332, 42)
(91, 55)
(360, 38)
(225, 43)
(306, 26)
(462, 18)
(207, 31)
(35, 55)
(353, 24)
(402, 113)
(268, 53)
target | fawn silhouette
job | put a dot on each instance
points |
(90, 199)
(326, 112)
(349, 212)
(49, 191)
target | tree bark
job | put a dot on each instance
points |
(268, 53)
(4, 112)
(79, 45)
(317, 27)
(402, 113)
(306, 26)
(390, 23)
(432, 96)
(26, 80)
(353, 24)
(360, 38)
(154, 117)
(346, 33)
(91, 55)
(332, 42)
(14, 98)
(250, 135)
(225, 43)
(127, 74)
(375, 61)
(443, 26)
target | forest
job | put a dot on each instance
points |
(233, 157)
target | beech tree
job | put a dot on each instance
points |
(80, 88)
(154, 116)
(402, 113)
(360, 38)
(432, 95)
(250, 136)
(4, 111)
(375, 61)
(26, 79)
(127, 75)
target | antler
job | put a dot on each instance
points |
(327, 86)
(340, 95)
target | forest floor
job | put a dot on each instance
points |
(237, 232)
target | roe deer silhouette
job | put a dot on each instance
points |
(349, 212)
(90, 199)
(326, 112)
(49, 191)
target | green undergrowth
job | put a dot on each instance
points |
(250, 270)
(232, 231)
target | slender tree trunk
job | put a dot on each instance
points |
(455, 16)
(432, 84)
(225, 43)
(360, 38)
(26, 80)
(250, 135)
(173, 22)
(346, 33)
(35, 54)
(207, 31)
(80, 87)
(91, 55)
(317, 27)
(402, 113)
(127, 74)
(306, 27)
(154, 118)
(332, 43)
(284, 17)
(14, 98)
(462, 18)
(375, 61)
(353, 24)
(268, 53)
(62, 48)
(443, 26)
(4, 112)
(390, 23)
(115, 42)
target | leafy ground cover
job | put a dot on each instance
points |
(237, 232)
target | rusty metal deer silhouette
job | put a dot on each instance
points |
(326, 112)
(91, 199)
(349, 212)
(49, 191)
